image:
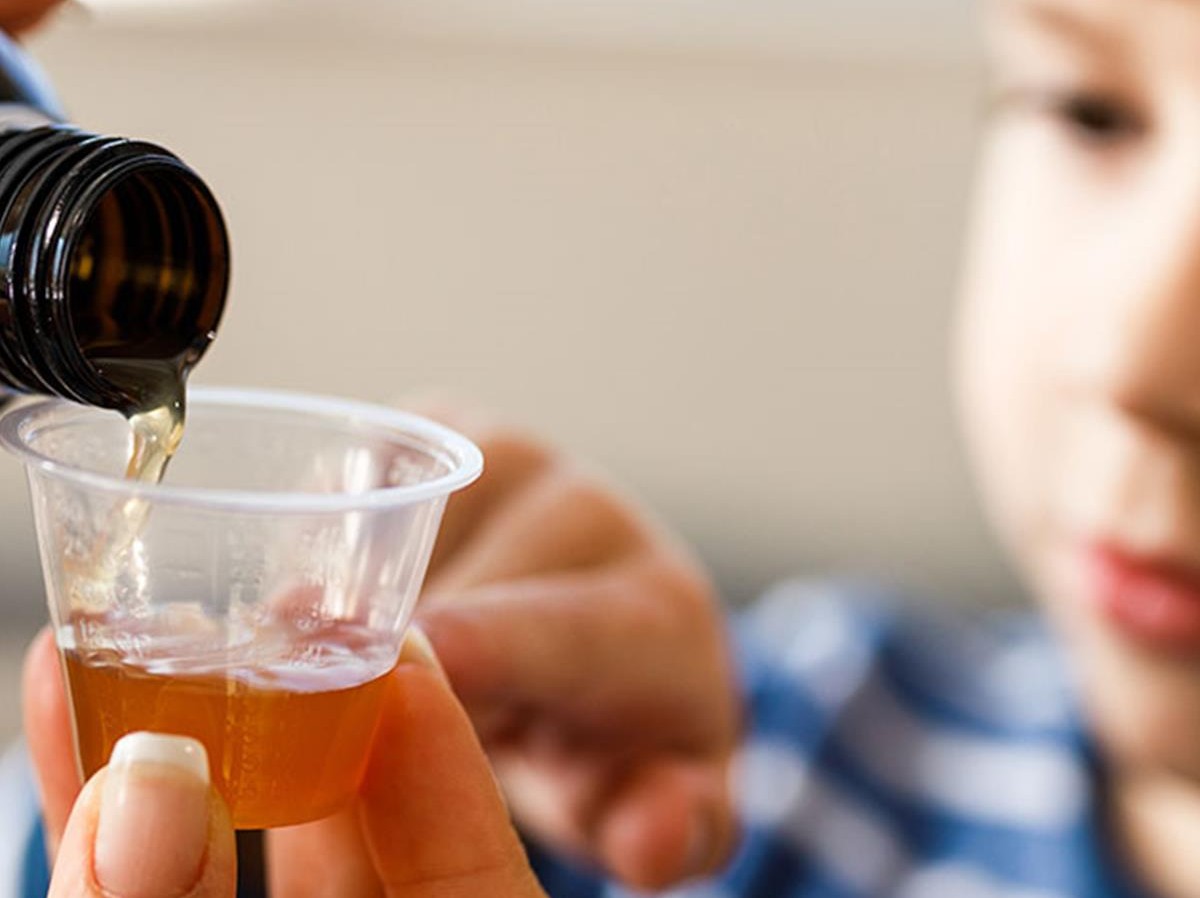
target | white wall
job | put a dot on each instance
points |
(723, 269)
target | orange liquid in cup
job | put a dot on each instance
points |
(284, 746)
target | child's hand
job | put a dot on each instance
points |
(429, 820)
(585, 643)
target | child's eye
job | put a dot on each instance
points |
(1097, 119)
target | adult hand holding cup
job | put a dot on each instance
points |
(428, 820)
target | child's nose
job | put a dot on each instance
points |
(1143, 346)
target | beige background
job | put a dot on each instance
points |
(717, 255)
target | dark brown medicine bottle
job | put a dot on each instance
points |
(114, 258)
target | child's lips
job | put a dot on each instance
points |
(1154, 601)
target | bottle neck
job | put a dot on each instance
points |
(113, 255)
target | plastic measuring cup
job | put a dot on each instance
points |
(257, 599)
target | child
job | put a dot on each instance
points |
(886, 753)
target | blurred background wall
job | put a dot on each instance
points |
(713, 246)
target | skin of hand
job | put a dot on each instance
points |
(18, 16)
(430, 821)
(587, 647)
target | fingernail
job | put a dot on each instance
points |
(418, 650)
(153, 828)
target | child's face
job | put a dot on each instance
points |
(1079, 351)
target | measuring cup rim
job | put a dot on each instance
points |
(462, 455)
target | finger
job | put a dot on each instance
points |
(555, 797)
(669, 821)
(328, 857)
(625, 653)
(511, 463)
(512, 460)
(651, 823)
(147, 826)
(47, 721)
(430, 809)
(559, 521)
(625, 660)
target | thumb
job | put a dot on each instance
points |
(47, 721)
(431, 811)
(148, 825)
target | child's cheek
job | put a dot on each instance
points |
(1011, 306)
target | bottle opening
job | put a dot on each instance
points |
(147, 273)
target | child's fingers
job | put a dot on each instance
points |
(147, 826)
(591, 527)
(626, 653)
(47, 722)
(622, 662)
(431, 811)
(651, 822)
(669, 821)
